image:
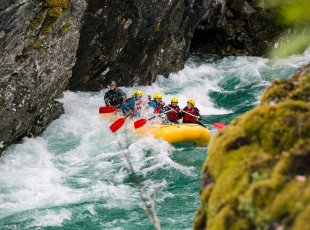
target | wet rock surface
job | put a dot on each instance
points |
(134, 41)
(236, 27)
(38, 42)
(257, 172)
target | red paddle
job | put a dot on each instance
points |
(107, 109)
(141, 122)
(118, 124)
(219, 126)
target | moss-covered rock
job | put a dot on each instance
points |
(258, 167)
(38, 50)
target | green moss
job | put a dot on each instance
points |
(277, 91)
(38, 20)
(158, 28)
(44, 23)
(227, 218)
(64, 4)
(229, 14)
(42, 52)
(302, 221)
(37, 44)
(65, 29)
(124, 16)
(259, 164)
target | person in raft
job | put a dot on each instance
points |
(191, 109)
(115, 96)
(157, 103)
(134, 104)
(175, 112)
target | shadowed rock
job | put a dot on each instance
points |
(134, 41)
(38, 42)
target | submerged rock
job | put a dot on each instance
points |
(257, 173)
(38, 43)
(134, 41)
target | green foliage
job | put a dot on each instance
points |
(291, 43)
(294, 13)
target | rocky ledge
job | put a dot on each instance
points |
(236, 27)
(257, 172)
(38, 42)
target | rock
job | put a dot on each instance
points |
(38, 42)
(134, 41)
(236, 27)
(257, 174)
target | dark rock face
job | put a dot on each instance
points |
(133, 41)
(38, 43)
(236, 27)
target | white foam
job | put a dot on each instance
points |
(51, 218)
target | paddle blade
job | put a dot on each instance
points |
(139, 123)
(117, 124)
(219, 126)
(107, 109)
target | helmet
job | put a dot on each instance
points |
(157, 96)
(137, 92)
(192, 101)
(174, 100)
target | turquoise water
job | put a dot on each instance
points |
(75, 175)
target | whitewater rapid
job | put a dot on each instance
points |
(75, 174)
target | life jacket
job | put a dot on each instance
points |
(173, 115)
(157, 106)
(188, 118)
(138, 104)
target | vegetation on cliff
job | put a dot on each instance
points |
(294, 13)
(257, 172)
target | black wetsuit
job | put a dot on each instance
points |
(114, 97)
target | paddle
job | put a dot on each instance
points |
(141, 122)
(107, 109)
(217, 125)
(118, 124)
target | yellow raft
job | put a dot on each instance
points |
(177, 133)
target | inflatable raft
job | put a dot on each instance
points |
(177, 133)
(174, 133)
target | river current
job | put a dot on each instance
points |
(75, 175)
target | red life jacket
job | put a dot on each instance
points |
(158, 108)
(173, 115)
(188, 118)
